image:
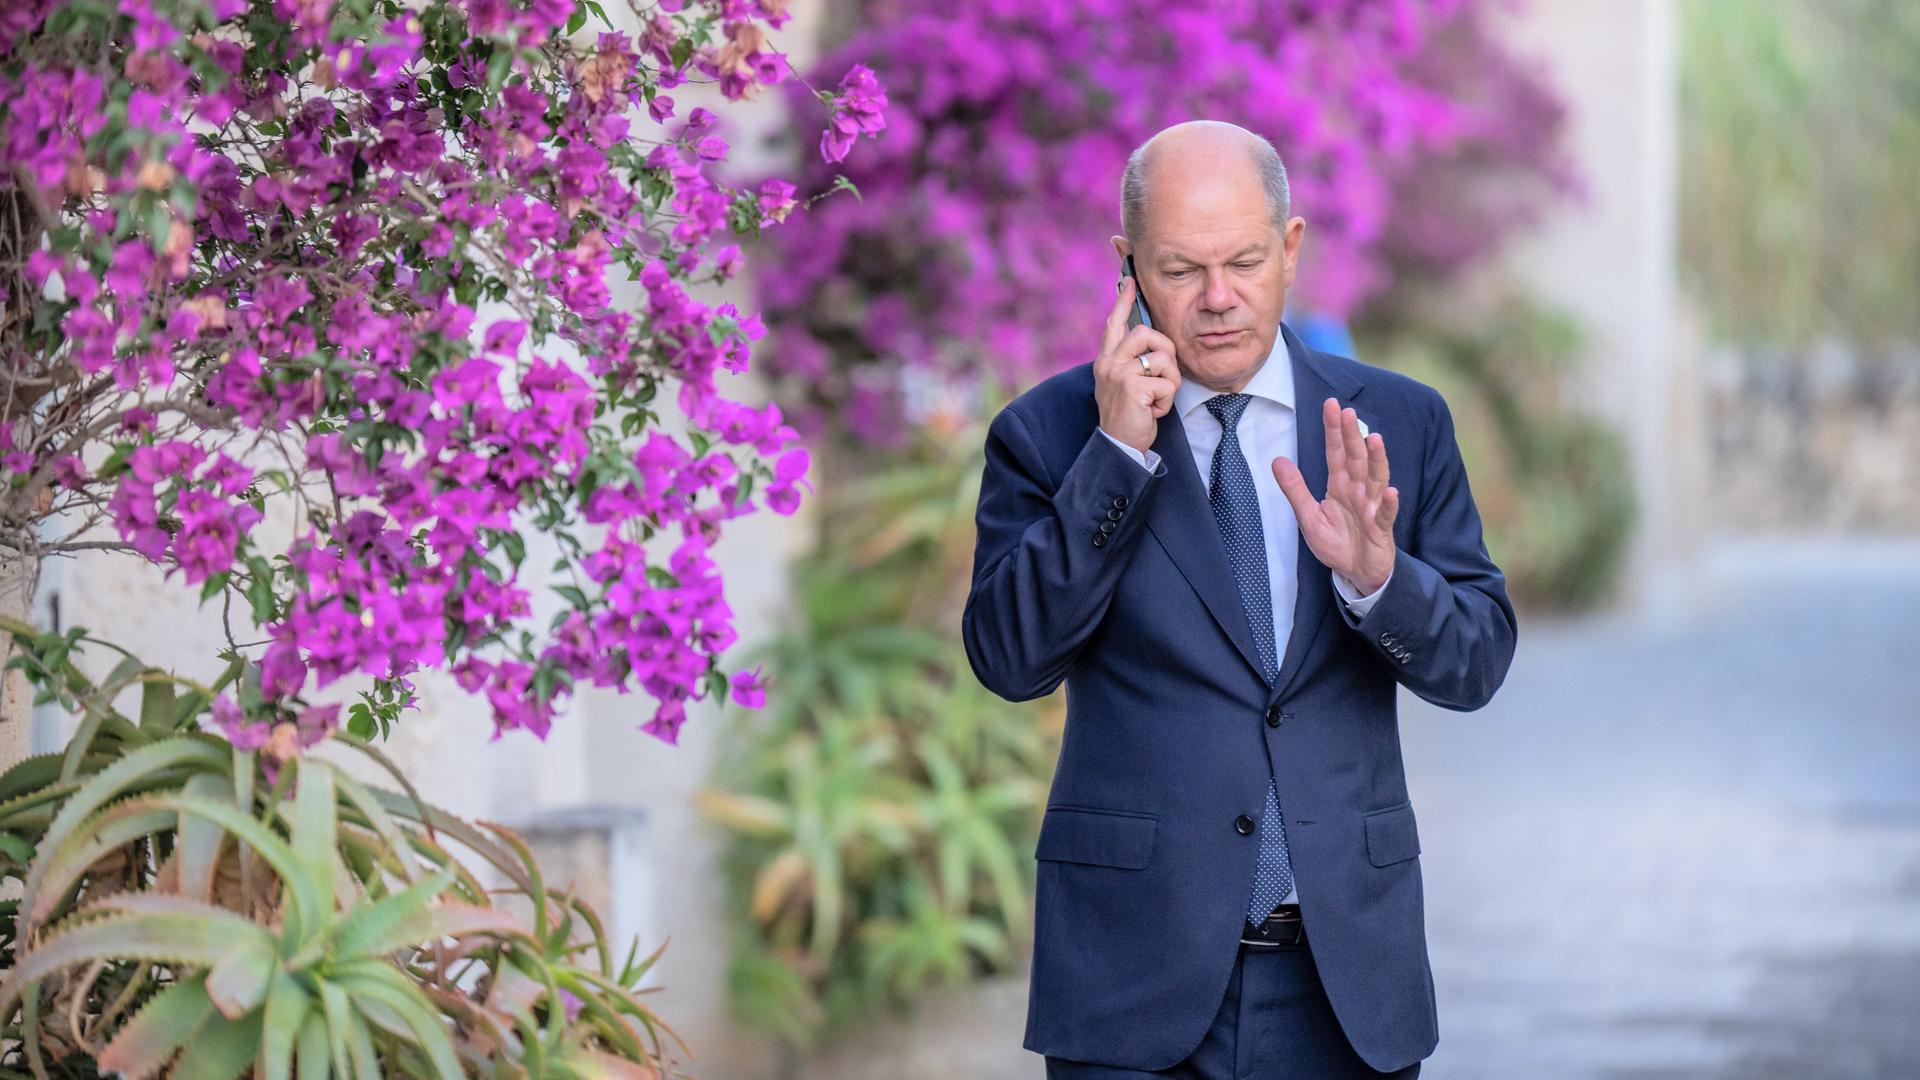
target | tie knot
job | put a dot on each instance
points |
(1227, 408)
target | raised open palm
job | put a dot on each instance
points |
(1351, 530)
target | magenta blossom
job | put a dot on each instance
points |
(365, 269)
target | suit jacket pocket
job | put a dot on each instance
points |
(1391, 836)
(1121, 838)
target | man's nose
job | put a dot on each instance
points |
(1220, 295)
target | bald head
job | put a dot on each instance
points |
(1211, 245)
(1200, 153)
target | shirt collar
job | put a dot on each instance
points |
(1273, 381)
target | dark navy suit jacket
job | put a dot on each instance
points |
(1171, 726)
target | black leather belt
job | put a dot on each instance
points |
(1281, 929)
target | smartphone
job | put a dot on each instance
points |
(1139, 316)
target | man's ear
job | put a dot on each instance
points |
(1122, 246)
(1290, 245)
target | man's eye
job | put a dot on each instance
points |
(1177, 275)
(1246, 266)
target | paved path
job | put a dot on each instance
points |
(1688, 844)
(1681, 843)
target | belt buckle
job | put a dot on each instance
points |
(1282, 927)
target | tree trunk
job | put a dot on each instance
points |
(16, 695)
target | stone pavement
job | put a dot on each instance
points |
(1687, 843)
(1683, 842)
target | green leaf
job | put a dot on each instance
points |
(156, 706)
(105, 832)
(340, 1021)
(314, 828)
(196, 848)
(219, 1051)
(360, 721)
(366, 1063)
(145, 926)
(158, 220)
(287, 1010)
(515, 546)
(382, 823)
(16, 848)
(314, 1049)
(498, 65)
(393, 1001)
(99, 708)
(260, 596)
(142, 1047)
(306, 894)
(112, 781)
(379, 927)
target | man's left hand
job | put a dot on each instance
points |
(1351, 531)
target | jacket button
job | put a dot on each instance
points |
(1106, 526)
(1273, 716)
(1099, 539)
(1113, 514)
(1243, 825)
(1120, 501)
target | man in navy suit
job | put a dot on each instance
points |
(1229, 874)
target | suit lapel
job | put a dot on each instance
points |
(1182, 519)
(1314, 381)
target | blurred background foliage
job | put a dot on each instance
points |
(884, 805)
(1553, 484)
(1800, 124)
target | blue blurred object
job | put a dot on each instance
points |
(1324, 332)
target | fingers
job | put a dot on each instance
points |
(1376, 466)
(1389, 510)
(1336, 442)
(1355, 447)
(1117, 318)
(1160, 393)
(1352, 459)
(1145, 339)
(1294, 486)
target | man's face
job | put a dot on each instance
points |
(1213, 267)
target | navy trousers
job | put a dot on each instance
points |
(1274, 1023)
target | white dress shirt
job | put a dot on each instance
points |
(1266, 431)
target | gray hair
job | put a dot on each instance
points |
(1133, 185)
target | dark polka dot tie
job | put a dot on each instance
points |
(1236, 509)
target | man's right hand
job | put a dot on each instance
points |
(1131, 400)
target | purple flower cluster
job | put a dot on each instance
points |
(856, 110)
(379, 261)
(977, 250)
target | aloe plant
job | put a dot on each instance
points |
(190, 909)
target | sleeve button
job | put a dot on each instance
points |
(1099, 539)
(1106, 526)
(1120, 502)
(1113, 514)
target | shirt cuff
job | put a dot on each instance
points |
(1350, 593)
(1148, 460)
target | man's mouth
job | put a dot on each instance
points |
(1220, 337)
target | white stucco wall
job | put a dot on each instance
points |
(1611, 261)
